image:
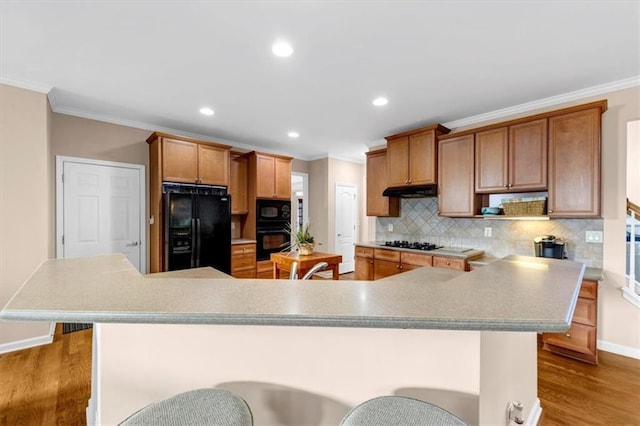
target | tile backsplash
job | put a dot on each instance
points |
(419, 222)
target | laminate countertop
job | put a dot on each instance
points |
(452, 252)
(515, 293)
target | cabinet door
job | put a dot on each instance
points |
(266, 172)
(179, 161)
(574, 164)
(377, 205)
(456, 196)
(385, 268)
(238, 185)
(213, 165)
(398, 161)
(282, 178)
(492, 160)
(364, 268)
(528, 156)
(422, 158)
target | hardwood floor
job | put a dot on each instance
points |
(50, 385)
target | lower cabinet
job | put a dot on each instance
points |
(450, 263)
(580, 340)
(376, 263)
(243, 260)
(364, 264)
(264, 269)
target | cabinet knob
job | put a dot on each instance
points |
(550, 211)
(568, 335)
(448, 263)
(371, 262)
(401, 267)
(505, 186)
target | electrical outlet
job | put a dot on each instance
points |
(594, 237)
(390, 227)
(487, 231)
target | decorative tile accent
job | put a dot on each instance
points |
(419, 222)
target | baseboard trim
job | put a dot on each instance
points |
(534, 415)
(29, 343)
(619, 349)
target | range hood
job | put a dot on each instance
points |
(412, 191)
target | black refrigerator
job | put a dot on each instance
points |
(197, 225)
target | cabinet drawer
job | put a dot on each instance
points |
(243, 262)
(580, 338)
(586, 311)
(390, 255)
(589, 289)
(364, 252)
(416, 259)
(448, 262)
(240, 249)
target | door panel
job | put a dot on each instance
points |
(214, 232)
(101, 211)
(346, 226)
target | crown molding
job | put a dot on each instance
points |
(546, 102)
(28, 85)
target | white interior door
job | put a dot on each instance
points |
(346, 225)
(102, 206)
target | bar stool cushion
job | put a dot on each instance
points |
(399, 410)
(217, 407)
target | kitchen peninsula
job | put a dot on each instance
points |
(303, 352)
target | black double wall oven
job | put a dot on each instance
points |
(273, 224)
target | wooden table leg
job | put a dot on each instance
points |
(336, 272)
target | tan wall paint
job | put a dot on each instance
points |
(318, 201)
(345, 172)
(97, 140)
(25, 215)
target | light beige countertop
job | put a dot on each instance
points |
(204, 272)
(444, 252)
(242, 241)
(511, 294)
(589, 274)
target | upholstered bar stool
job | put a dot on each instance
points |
(215, 407)
(399, 410)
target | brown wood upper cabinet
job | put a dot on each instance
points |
(574, 163)
(238, 184)
(512, 158)
(377, 205)
(185, 160)
(412, 157)
(273, 176)
(456, 196)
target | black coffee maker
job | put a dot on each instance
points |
(550, 246)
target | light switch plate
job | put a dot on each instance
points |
(487, 231)
(390, 227)
(594, 237)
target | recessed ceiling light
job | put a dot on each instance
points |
(282, 49)
(380, 101)
(293, 135)
(206, 111)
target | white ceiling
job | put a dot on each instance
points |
(153, 64)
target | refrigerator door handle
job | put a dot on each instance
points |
(193, 240)
(198, 243)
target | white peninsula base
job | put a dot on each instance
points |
(313, 375)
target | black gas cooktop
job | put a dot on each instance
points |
(412, 246)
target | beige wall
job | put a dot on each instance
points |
(345, 172)
(25, 215)
(318, 201)
(97, 140)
